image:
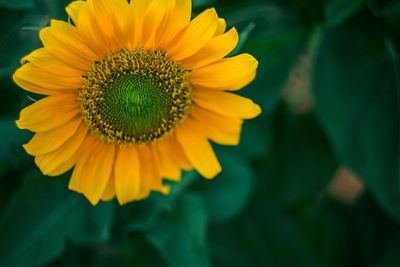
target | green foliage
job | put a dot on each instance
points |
(17, 4)
(337, 11)
(357, 87)
(329, 86)
(180, 234)
(43, 216)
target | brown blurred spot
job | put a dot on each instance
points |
(345, 186)
(297, 90)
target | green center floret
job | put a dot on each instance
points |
(135, 97)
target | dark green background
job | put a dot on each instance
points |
(329, 86)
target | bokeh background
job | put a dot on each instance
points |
(314, 182)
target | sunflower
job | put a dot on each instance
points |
(134, 92)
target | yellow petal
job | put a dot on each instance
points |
(42, 59)
(162, 156)
(46, 142)
(62, 159)
(177, 154)
(109, 192)
(221, 27)
(195, 36)
(49, 113)
(153, 20)
(93, 169)
(175, 20)
(104, 24)
(127, 174)
(217, 48)
(227, 104)
(74, 8)
(40, 81)
(148, 172)
(227, 74)
(220, 129)
(64, 42)
(199, 151)
(138, 10)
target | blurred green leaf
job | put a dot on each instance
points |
(243, 37)
(384, 8)
(228, 193)
(12, 140)
(301, 163)
(263, 236)
(180, 235)
(141, 216)
(202, 3)
(356, 89)
(17, 4)
(338, 11)
(277, 39)
(43, 216)
(20, 36)
(255, 139)
(390, 256)
(13, 158)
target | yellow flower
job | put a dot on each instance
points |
(134, 92)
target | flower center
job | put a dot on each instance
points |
(134, 97)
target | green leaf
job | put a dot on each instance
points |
(202, 3)
(384, 8)
(276, 41)
(13, 158)
(145, 214)
(17, 4)
(356, 85)
(12, 140)
(20, 37)
(264, 236)
(301, 162)
(338, 11)
(228, 193)
(43, 216)
(243, 37)
(180, 235)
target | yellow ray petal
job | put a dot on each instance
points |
(104, 23)
(41, 58)
(62, 159)
(148, 172)
(162, 156)
(227, 104)
(221, 27)
(138, 10)
(177, 154)
(109, 191)
(220, 129)
(175, 19)
(195, 36)
(127, 174)
(93, 169)
(217, 48)
(153, 20)
(199, 151)
(39, 79)
(74, 8)
(49, 113)
(46, 142)
(63, 41)
(227, 74)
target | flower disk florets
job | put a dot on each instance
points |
(134, 97)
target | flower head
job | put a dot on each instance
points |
(133, 91)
